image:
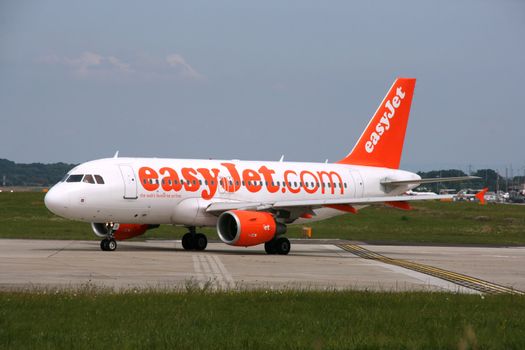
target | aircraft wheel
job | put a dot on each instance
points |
(112, 245)
(188, 243)
(200, 241)
(104, 244)
(282, 246)
(270, 247)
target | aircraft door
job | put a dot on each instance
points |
(130, 182)
(358, 183)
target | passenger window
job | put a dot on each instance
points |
(345, 184)
(74, 178)
(99, 179)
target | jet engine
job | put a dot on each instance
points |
(121, 231)
(248, 228)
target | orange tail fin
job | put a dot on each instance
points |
(381, 144)
(481, 196)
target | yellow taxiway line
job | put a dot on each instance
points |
(450, 276)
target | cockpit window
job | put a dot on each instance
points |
(99, 179)
(74, 178)
(89, 179)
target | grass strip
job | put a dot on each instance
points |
(23, 215)
(260, 320)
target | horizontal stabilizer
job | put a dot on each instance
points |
(429, 181)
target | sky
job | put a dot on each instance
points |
(257, 79)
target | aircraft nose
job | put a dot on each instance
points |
(57, 201)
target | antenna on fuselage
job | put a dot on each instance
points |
(326, 161)
(282, 158)
(116, 155)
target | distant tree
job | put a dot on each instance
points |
(436, 187)
(489, 178)
(34, 174)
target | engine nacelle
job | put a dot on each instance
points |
(247, 228)
(121, 231)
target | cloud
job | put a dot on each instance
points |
(178, 62)
(92, 65)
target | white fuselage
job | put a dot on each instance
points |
(150, 190)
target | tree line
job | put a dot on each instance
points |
(33, 174)
(487, 178)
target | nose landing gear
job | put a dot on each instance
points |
(109, 244)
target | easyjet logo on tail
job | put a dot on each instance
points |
(384, 123)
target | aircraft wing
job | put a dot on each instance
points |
(219, 207)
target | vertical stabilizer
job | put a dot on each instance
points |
(381, 144)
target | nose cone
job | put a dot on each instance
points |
(57, 201)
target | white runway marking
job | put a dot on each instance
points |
(209, 269)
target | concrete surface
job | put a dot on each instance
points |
(28, 264)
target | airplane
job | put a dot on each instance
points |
(249, 202)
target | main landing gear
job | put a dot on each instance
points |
(278, 245)
(193, 240)
(109, 244)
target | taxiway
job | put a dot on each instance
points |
(28, 264)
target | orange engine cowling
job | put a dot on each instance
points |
(122, 231)
(246, 228)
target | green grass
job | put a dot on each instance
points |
(23, 215)
(260, 320)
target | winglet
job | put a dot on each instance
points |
(481, 196)
(381, 144)
(116, 155)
